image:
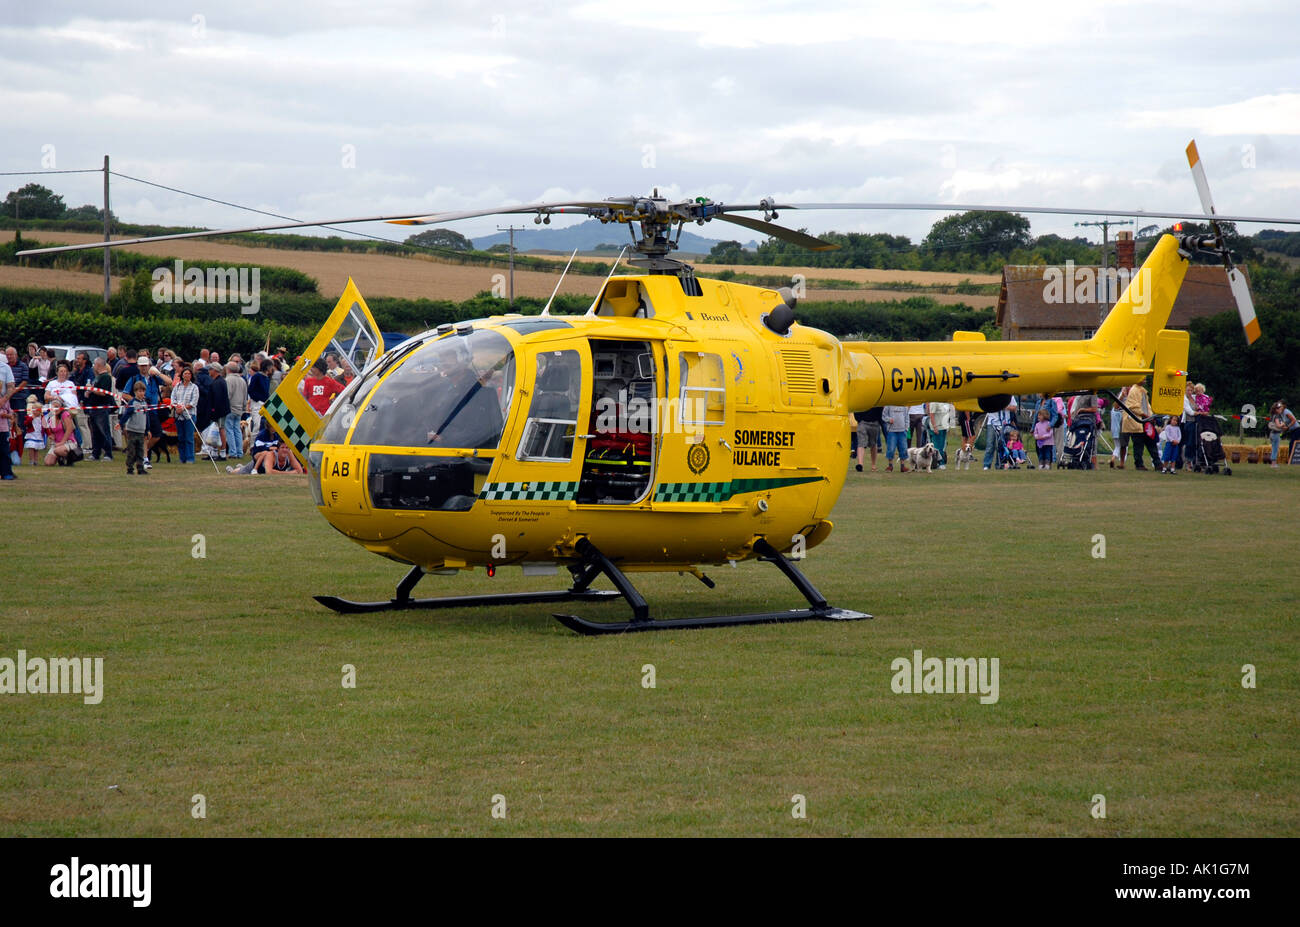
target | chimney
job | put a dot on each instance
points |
(1124, 248)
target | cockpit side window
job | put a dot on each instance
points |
(553, 415)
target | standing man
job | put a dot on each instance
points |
(18, 367)
(124, 369)
(916, 423)
(237, 396)
(995, 423)
(940, 417)
(259, 391)
(154, 380)
(868, 434)
(101, 433)
(895, 419)
(83, 375)
(218, 402)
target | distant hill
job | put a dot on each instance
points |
(586, 237)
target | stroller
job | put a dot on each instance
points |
(1207, 446)
(996, 436)
(1080, 444)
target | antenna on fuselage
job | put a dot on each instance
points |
(546, 310)
(591, 310)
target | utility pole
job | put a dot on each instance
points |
(1104, 225)
(1105, 235)
(107, 285)
(511, 229)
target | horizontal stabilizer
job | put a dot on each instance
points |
(1138, 372)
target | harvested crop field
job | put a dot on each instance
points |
(420, 277)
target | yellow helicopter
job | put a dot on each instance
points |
(679, 423)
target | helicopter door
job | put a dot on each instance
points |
(548, 458)
(349, 341)
(618, 467)
(696, 460)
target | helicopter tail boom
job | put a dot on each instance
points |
(1131, 344)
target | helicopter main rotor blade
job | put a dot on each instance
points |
(209, 233)
(579, 206)
(410, 218)
(777, 231)
(1047, 210)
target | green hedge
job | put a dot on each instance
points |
(185, 336)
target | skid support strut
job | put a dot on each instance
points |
(596, 562)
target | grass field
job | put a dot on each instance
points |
(1118, 676)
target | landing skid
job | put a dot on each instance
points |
(596, 562)
(402, 599)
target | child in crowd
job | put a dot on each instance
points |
(1016, 448)
(34, 441)
(1173, 437)
(135, 424)
(1044, 440)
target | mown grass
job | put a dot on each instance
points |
(1119, 676)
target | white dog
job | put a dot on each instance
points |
(922, 457)
(965, 457)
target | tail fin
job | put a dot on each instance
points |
(1169, 375)
(1129, 335)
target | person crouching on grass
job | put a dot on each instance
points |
(63, 434)
(135, 425)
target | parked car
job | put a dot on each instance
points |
(68, 352)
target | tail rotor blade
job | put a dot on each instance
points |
(1198, 176)
(1245, 305)
(1236, 279)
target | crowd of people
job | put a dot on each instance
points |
(60, 413)
(1046, 428)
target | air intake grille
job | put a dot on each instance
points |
(798, 366)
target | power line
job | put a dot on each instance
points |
(273, 215)
(96, 170)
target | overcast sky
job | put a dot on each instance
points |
(468, 105)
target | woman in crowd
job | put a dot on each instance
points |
(62, 434)
(185, 403)
(1203, 400)
(41, 365)
(1132, 429)
(1281, 422)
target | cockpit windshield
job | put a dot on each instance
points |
(450, 393)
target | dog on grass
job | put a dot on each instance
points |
(965, 457)
(164, 447)
(923, 458)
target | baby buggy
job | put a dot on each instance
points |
(1080, 444)
(995, 436)
(1207, 446)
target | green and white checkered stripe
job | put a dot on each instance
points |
(720, 492)
(278, 412)
(546, 490)
(692, 492)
